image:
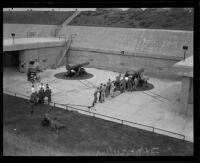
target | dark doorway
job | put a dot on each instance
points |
(11, 59)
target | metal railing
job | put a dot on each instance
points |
(93, 114)
(31, 34)
(62, 36)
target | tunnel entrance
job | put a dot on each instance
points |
(11, 59)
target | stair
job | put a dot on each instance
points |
(68, 43)
(66, 22)
(66, 48)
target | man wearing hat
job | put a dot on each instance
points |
(48, 93)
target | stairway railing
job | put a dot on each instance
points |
(65, 52)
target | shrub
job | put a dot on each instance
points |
(167, 25)
(145, 24)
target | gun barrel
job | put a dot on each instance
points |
(84, 64)
(77, 65)
(135, 71)
(80, 65)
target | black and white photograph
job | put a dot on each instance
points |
(98, 81)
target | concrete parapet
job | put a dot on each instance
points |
(142, 41)
(31, 43)
(21, 30)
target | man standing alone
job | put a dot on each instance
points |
(48, 93)
(37, 67)
(33, 101)
(95, 97)
(100, 92)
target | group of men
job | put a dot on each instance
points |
(121, 84)
(38, 97)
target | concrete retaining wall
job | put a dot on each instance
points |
(47, 57)
(142, 41)
(116, 62)
(155, 50)
(21, 30)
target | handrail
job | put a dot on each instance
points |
(62, 36)
(121, 120)
(170, 132)
(19, 36)
(30, 34)
(93, 85)
(84, 84)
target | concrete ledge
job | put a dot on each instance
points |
(184, 67)
(31, 43)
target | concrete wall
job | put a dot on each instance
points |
(141, 41)
(119, 63)
(191, 96)
(155, 50)
(47, 57)
(21, 30)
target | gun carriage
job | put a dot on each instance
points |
(76, 70)
(139, 74)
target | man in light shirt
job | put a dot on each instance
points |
(126, 80)
(41, 86)
(36, 65)
(135, 83)
(112, 88)
(33, 89)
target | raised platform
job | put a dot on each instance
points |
(184, 67)
(31, 43)
(159, 107)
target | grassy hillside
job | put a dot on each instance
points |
(36, 17)
(176, 19)
(83, 135)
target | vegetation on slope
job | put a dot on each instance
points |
(152, 18)
(36, 17)
(83, 135)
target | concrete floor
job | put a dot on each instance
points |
(158, 107)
